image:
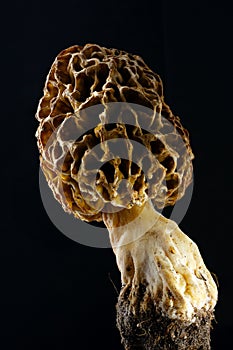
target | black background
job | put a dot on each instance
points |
(55, 293)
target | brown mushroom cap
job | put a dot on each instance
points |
(77, 131)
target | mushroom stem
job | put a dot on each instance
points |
(168, 295)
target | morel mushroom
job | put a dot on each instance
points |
(104, 96)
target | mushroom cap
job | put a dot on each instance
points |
(107, 140)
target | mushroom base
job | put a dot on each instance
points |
(151, 329)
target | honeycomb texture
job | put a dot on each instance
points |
(81, 123)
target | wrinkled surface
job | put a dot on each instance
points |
(80, 123)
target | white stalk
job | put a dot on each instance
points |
(152, 250)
